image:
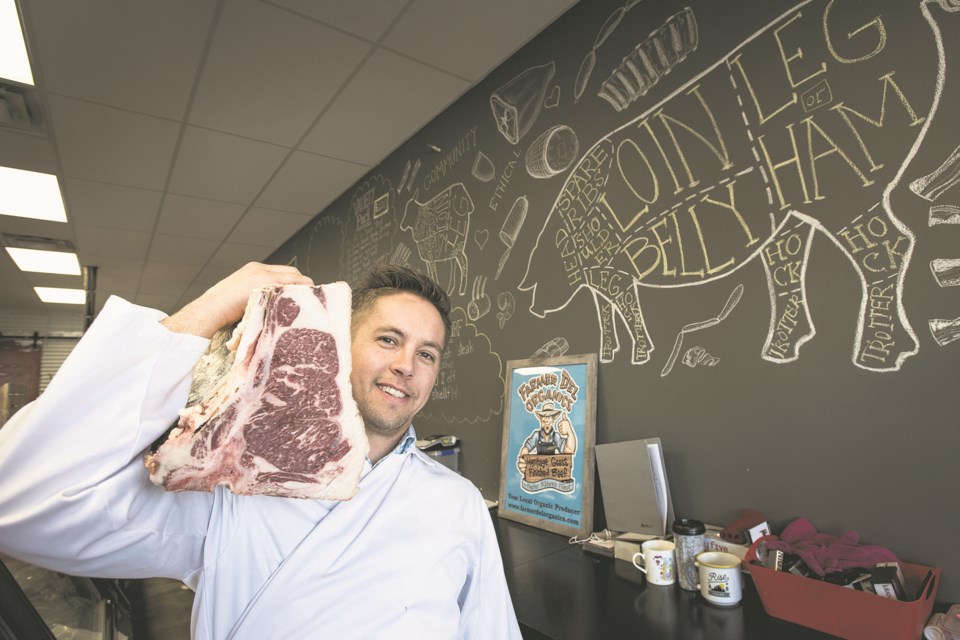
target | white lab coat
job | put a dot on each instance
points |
(413, 555)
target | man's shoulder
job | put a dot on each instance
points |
(452, 497)
(443, 476)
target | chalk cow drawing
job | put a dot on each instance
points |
(440, 228)
(750, 158)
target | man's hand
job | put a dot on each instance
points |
(224, 302)
(565, 429)
(521, 462)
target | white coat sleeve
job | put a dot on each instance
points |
(487, 609)
(74, 494)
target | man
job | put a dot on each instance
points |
(412, 555)
(554, 436)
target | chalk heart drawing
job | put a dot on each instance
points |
(481, 237)
(553, 98)
(736, 165)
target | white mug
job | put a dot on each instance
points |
(657, 561)
(720, 582)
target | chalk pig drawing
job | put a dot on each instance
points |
(806, 126)
(439, 228)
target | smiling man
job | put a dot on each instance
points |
(412, 555)
(399, 330)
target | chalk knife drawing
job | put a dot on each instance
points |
(732, 301)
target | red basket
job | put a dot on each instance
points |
(844, 612)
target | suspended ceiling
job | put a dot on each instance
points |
(192, 136)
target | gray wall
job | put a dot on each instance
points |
(739, 209)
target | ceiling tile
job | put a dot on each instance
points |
(54, 280)
(223, 167)
(270, 72)
(359, 110)
(117, 79)
(114, 268)
(111, 145)
(232, 256)
(365, 18)
(208, 277)
(107, 205)
(163, 287)
(267, 228)
(7, 265)
(191, 294)
(10, 273)
(211, 275)
(198, 217)
(194, 251)
(118, 243)
(156, 270)
(469, 38)
(22, 299)
(167, 304)
(307, 183)
(107, 287)
(27, 151)
(140, 56)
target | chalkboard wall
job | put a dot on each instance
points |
(747, 209)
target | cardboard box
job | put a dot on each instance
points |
(599, 547)
(888, 581)
(627, 544)
(713, 542)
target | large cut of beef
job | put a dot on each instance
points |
(271, 410)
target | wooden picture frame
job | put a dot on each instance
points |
(550, 405)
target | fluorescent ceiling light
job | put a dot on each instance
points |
(14, 63)
(28, 194)
(45, 261)
(64, 296)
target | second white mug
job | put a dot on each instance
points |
(720, 582)
(658, 561)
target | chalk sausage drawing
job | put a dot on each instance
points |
(807, 126)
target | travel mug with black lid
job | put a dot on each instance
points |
(688, 536)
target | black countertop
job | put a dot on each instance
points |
(562, 592)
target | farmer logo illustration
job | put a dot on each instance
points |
(546, 458)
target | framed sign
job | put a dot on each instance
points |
(547, 460)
